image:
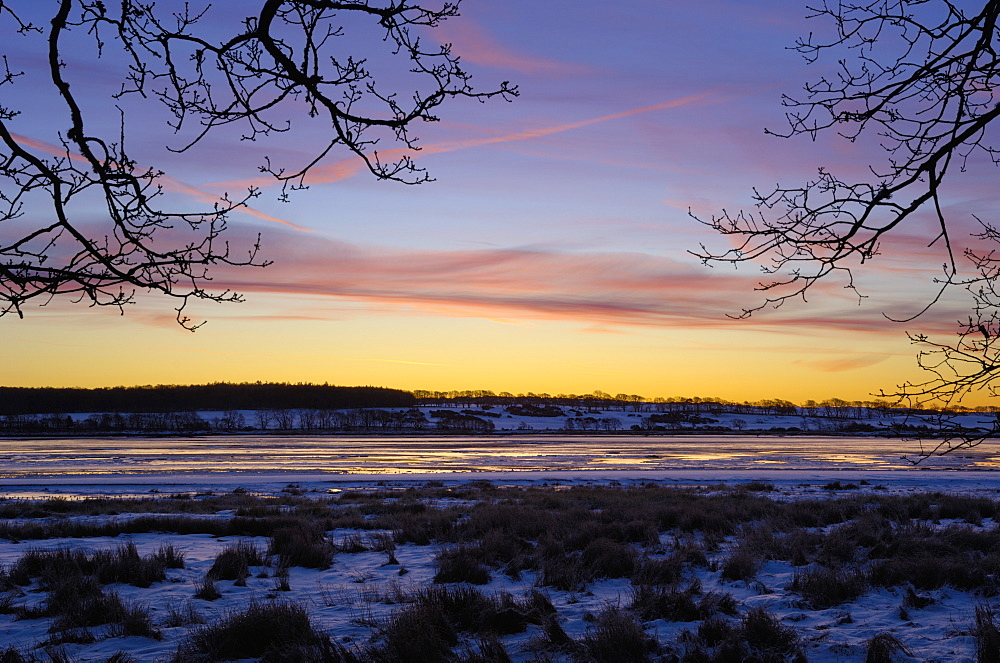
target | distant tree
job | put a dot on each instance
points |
(739, 424)
(284, 419)
(920, 79)
(308, 419)
(287, 63)
(325, 419)
(231, 420)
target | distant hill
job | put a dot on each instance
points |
(182, 398)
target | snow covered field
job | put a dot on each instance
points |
(514, 418)
(369, 583)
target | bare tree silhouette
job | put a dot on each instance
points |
(286, 57)
(920, 79)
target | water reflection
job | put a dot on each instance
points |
(406, 455)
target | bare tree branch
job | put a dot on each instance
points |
(920, 77)
(285, 55)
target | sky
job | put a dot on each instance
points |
(552, 251)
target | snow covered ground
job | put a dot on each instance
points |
(352, 600)
(356, 599)
(647, 416)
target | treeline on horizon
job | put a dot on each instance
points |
(190, 398)
(638, 403)
(224, 396)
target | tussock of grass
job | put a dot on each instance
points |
(235, 560)
(716, 630)
(759, 637)
(884, 648)
(420, 527)
(123, 564)
(488, 649)
(415, 634)
(838, 485)
(658, 570)
(77, 602)
(281, 583)
(743, 563)
(352, 543)
(824, 587)
(605, 558)
(617, 636)
(207, 590)
(182, 615)
(561, 570)
(651, 602)
(764, 633)
(130, 619)
(468, 609)
(672, 604)
(460, 564)
(506, 551)
(928, 570)
(757, 486)
(277, 631)
(987, 635)
(382, 542)
(169, 557)
(302, 544)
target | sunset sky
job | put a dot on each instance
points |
(550, 254)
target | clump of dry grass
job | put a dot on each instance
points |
(824, 587)
(75, 598)
(77, 602)
(235, 560)
(122, 564)
(650, 602)
(460, 564)
(304, 544)
(207, 590)
(987, 634)
(488, 649)
(419, 632)
(617, 636)
(743, 563)
(758, 637)
(277, 631)
(186, 615)
(885, 648)
(605, 558)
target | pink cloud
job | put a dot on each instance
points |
(479, 47)
(602, 290)
(347, 168)
(838, 365)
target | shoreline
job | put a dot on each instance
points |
(499, 434)
(275, 483)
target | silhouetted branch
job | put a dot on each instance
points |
(286, 56)
(919, 77)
